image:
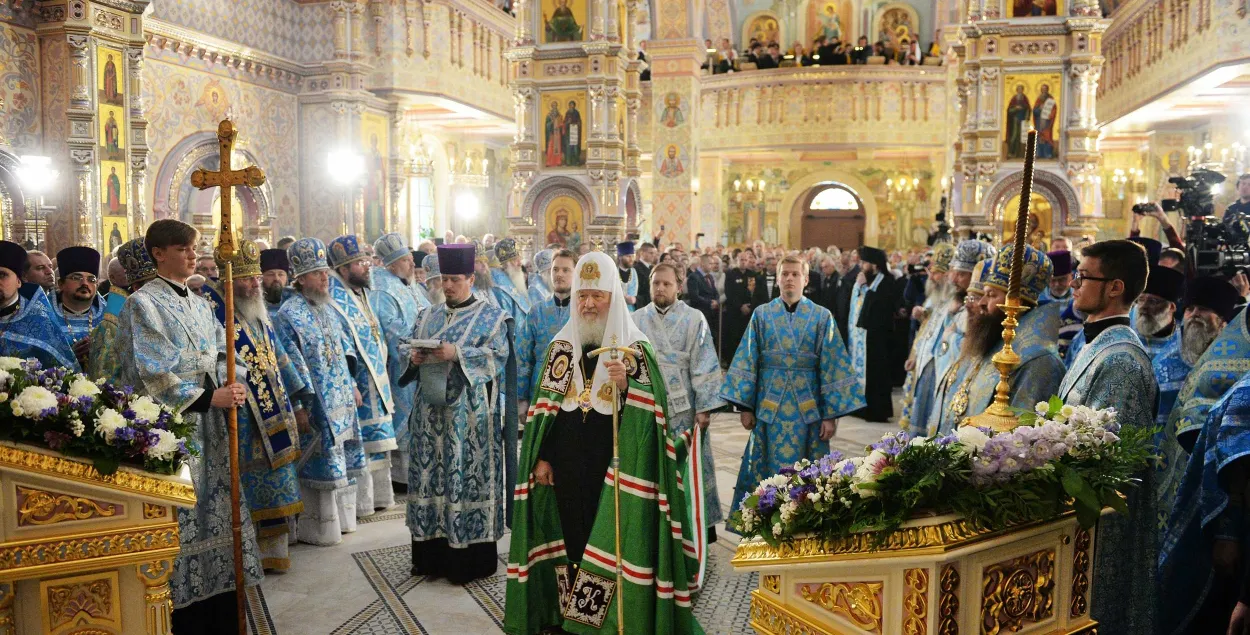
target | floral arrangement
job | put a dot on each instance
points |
(68, 412)
(1059, 458)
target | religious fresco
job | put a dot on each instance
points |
(831, 19)
(301, 32)
(764, 28)
(19, 88)
(672, 115)
(112, 122)
(563, 20)
(564, 129)
(1032, 99)
(673, 163)
(214, 100)
(268, 121)
(1041, 215)
(896, 25)
(373, 132)
(1034, 8)
(564, 221)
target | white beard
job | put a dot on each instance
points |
(591, 332)
(251, 311)
(436, 294)
(1147, 325)
(1196, 336)
(546, 278)
(316, 298)
(518, 279)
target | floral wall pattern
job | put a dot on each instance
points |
(19, 88)
(182, 101)
(301, 33)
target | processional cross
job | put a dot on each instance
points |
(226, 178)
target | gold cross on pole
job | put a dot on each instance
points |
(226, 179)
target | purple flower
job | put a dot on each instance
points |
(847, 470)
(810, 472)
(798, 493)
(768, 499)
(56, 440)
(787, 471)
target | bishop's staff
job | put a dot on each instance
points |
(614, 352)
(226, 178)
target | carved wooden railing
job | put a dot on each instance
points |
(803, 107)
(1155, 46)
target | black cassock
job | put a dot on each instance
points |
(877, 318)
(579, 451)
(743, 287)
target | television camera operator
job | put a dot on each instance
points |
(1240, 207)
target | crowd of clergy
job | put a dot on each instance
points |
(480, 385)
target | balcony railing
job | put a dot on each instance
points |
(860, 106)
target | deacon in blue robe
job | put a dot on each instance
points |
(1113, 370)
(793, 372)
(395, 298)
(322, 354)
(77, 300)
(349, 291)
(540, 281)
(104, 361)
(268, 435)
(457, 450)
(179, 361)
(544, 321)
(683, 347)
(29, 326)
(968, 388)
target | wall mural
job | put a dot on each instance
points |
(1032, 99)
(111, 115)
(19, 87)
(564, 132)
(1041, 215)
(183, 99)
(373, 132)
(564, 20)
(831, 19)
(673, 164)
(1034, 8)
(564, 220)
(764, 27)
(896, 24)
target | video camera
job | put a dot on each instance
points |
(1214, 247)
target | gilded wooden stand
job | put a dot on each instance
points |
(938, 576)
(85, 553)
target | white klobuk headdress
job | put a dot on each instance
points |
(596, 271)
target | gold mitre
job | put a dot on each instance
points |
(246, 260)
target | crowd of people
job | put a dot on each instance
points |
(483, 382)
(824, 51)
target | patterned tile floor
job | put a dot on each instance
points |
(362, 586)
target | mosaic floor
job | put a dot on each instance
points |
(362, 586)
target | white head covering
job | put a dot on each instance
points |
(597, 271)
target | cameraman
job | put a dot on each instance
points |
(1157, 213)
(1240, 207)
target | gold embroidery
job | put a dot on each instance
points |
(590, 271)
(37, 507)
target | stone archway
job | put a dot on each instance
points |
(567, 198)
(1053, 187)
(791, 224)
(174, 197)
(842, 225)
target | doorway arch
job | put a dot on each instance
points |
(800, 194)
(830, 214)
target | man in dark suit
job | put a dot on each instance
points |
(744, 290)
(642, 268)
(701, 293)
(846, 286)
(826, 294)
(771, 59)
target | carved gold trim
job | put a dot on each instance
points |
(151, 511)
(88, 600)
(1080, 574)
(859, 602)
(771, 583)
(948, 601)
(772, 618)
(907, 541)
(38, 507)
(158, 601)
(122, 480)
(1018, 591)
(8, 592)
(916, 602)
(90, 551)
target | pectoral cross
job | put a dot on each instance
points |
(226, 178)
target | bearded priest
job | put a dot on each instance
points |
(561, 570)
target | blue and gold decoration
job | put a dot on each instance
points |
(345, 250)
(969, 253)
(506, 250)
(390, 248)
(136, 261)
(246, 261)
(307, 255)
(543, 260)
(943, 253)
(1035, 273)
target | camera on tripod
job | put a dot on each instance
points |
(1215, 248)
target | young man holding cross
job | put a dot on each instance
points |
(179, 360)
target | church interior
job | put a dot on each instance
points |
(694, 122)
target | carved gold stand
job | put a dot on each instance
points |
(938, 576)
(84, 553)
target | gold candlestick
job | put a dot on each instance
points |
(999, 415)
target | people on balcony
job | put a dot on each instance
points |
(914, 57)
(859, 54)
